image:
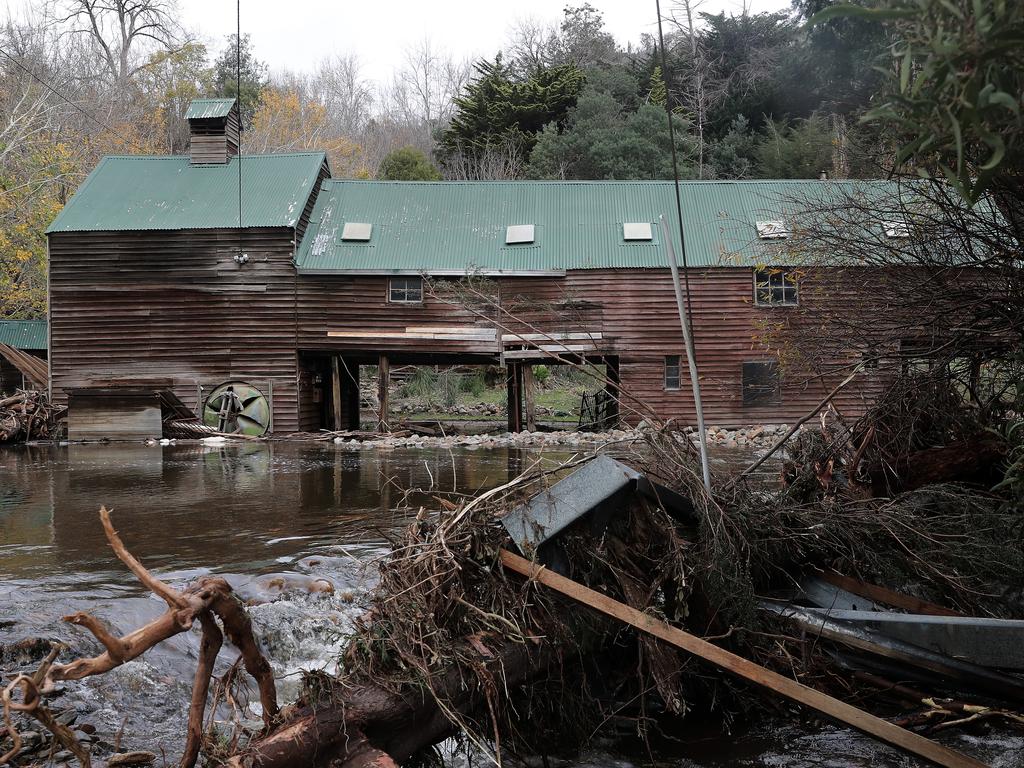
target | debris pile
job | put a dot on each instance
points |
(456, 643)
(28, 415)
(647, 600)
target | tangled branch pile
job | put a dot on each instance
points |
(453, 644)
(446, 611)
(28, 415)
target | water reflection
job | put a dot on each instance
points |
(234, 507)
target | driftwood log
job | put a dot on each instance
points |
(369, 726)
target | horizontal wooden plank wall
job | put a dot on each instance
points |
(633, 310)
(174, 308)
(351, 305)
(639, 318)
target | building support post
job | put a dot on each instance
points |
(336, 393)
(515, 403)
(383, 379)
(350, 395)
(611, 387)
(529, 387)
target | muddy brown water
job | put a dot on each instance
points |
(272, 518)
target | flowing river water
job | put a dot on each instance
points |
(275, 519)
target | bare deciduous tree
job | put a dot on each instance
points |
(424, 89)
(123, 31)
(338, 84)
(497, 162)
(532, 45)
(701, 90)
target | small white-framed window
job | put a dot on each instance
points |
(672, 371)
(520, 233)
(774, 229)
(405, 290)
(637, 230)
(774, 287)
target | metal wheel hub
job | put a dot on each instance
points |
(236, 407)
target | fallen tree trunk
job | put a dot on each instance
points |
(387, 725)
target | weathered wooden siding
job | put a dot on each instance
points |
(639, 318)
(635, 312)
(358, 304)
(216, 140)
(174, 309)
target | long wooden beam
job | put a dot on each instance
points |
(857, 718)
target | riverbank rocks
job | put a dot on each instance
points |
(762, 436)
(499, 440)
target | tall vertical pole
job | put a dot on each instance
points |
(691, 358)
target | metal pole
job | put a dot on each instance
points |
(690, 357)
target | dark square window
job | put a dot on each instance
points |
(672, 371)
(761, 383)
(775, 287)
(405, 290)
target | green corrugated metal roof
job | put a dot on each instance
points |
(24, 334)
(451, 227)
(146, 193)
(208, 109)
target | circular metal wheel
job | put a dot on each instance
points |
(236, 407)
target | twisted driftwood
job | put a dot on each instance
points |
(205, 599)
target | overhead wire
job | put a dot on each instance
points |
(238, 104)
(675, 169)
(66, 100)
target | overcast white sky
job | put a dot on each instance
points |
(294, 34)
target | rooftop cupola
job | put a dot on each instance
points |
(213, 125)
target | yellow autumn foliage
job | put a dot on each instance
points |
(284, 122)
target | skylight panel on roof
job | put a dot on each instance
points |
(637, 230)
(896, 228)
(358, 231)
(772, 230)
(519, 233)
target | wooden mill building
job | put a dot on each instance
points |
(181, 273)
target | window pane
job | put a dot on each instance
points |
(761, 383)
(405, 290)
(672, 371)
(775, 286)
